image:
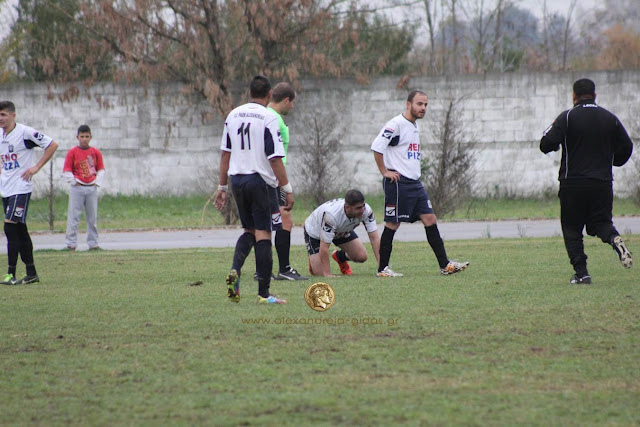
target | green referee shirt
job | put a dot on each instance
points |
(284, 133)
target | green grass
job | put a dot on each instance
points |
(121, 339)
(138, 212)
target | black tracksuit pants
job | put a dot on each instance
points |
(585, 205)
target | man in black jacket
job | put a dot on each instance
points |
(592, 140)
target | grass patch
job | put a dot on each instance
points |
(120, 339)
(139, 212)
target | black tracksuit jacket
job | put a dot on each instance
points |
(592, 139)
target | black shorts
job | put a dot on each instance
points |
(405, 200)
(16, 207)
(257, 203)
(313, 245)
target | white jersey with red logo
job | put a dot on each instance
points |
(252, 136)
(329, 221)
(16, 152)
(399, 143)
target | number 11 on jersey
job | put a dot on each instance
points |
(242, 131)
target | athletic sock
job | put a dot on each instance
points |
(13, 245)
(283, 247)
(243, 249)
(342, 256)
(386, 246)
(434, 239)
(26, 249)
(264, 265)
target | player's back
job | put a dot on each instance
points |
(251, 135)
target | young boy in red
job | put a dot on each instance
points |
(84, 171)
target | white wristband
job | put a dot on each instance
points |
(287, 188)
(223, 187)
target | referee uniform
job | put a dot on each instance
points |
(592, 140)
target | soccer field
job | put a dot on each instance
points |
(131, 338)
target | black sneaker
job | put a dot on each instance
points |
(28, 279)
(9, 279)
(255, 276)
(622, 251)
(583, 279)
(290, 274)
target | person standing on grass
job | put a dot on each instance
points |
(84, 171)
(334, 222)
(281, 103)
(397, 153)
(18, 167)
(593, 140)
(252, 155)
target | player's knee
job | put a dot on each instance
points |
(429, 219)
(358, 257)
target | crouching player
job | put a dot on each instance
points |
(334, 222)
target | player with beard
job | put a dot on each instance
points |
(397, 153)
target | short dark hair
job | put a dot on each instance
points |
(283, 90)
(584, 87)
(413, 94)
(259, 87)
(353, 197)
(8, 106)
(84, 129)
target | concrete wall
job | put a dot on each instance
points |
(157, 141)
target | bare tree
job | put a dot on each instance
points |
(431, 9)
(565, 37)
(320, 168)
(448, 167)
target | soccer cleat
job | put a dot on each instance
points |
(345, 268)
(9, 279)
(622, 251)
(272, 299)
(453, 267)
(95, 248)
(290, 274)
(28, 279)
(388, 272)
(584, 279)
(233, 285)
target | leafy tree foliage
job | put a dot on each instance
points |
(39, 40)
(208, 44)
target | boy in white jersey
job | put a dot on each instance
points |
(18, 167)
(397, 153)
(252, 155)
(334, 222)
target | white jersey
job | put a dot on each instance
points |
(329, 221)
(252, 136)
(399, 143)
(16, 152)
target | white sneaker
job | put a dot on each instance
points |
(623, 252)
(453, 267)
(388, 272)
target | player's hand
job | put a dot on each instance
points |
(392, 175)
(289, 202)
(28, 174)
(221, 199)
